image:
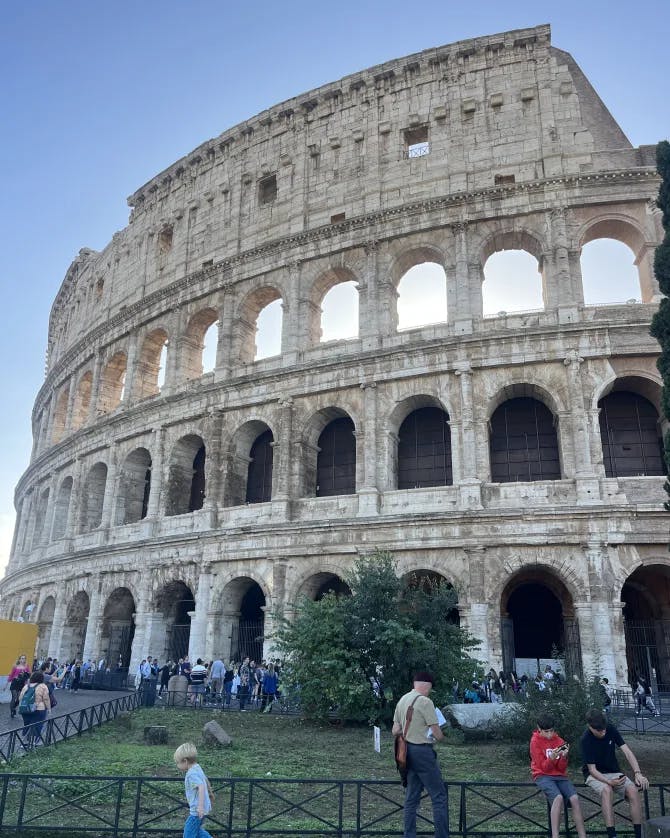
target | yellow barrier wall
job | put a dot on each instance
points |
(16, 639)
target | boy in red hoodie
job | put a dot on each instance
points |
(548, 765)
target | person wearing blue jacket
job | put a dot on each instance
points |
(269, 688)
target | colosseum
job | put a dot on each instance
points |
(178, 501)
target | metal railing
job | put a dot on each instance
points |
(57, 728)
(136, 807)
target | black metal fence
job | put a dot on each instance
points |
(138, 807)
(57, 728)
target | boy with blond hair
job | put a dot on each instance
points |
(199, 793)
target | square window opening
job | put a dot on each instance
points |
(416, 142)
(267, 189)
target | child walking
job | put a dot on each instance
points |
(199, 793)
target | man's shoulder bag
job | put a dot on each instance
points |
(400, 745)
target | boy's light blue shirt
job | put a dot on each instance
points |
(195, 777)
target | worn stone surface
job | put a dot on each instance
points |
(156, 735)
(475, 716)
(214, 734)
(311, 193)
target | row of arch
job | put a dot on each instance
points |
(423, 288)
(536, 606)
(523, 446)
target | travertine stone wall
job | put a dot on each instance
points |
(310, 193)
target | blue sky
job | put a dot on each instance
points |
(98, 97)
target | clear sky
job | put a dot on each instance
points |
(97, 97)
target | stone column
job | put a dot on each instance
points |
(71, 526)
(290, 330)
(468, 480)
(369, 314)
(644, 262)
(157, 466)
(172, 361)
(588, 487)
(50, 510)
(110, 491)
(459, 303)
(143, 620)
(58, 625)
(282, 462)
(95, 389)
(368, 494)
(94, 624)
(131, 370)
(198, 634)
(477, 610)
(225, 339)
(597, 631)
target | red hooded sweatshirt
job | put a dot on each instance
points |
(541, 762)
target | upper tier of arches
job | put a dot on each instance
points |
(401, 287)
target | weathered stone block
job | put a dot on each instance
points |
(214, 734)
(156, 735)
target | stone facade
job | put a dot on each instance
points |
(135, 529)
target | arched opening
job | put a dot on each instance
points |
(537, 623)
(134, 488)
(112, 383)
(512, 282)
(259, 325)
(646, 612)
(429, 581)
(60, 416)
(259, 472)
(199, 344)
(609, 273)
(631, 435)
(93, 498)
(424, 449)
(151, 364)
(336, 459)
(82, 400)
(118, 629)
(175, 604)
(248, 634)
(321, 584)
(422, 296)
(186, 482)
(523, 442)
(62, 509)
(45, 622)
(339, 312)
(74, 630)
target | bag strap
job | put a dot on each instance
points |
(408, 717)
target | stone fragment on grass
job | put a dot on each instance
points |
(214, 734)
(156, 735)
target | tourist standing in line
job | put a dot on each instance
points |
(199, 793)
(269, 688)
(34, 706)
(16, 681)
(423, 770)
(217, 673)
(549, 769)
(602, 773)
(75, 676)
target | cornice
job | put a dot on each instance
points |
(218, 276)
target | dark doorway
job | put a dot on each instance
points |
(424, 449)
(538, 621)
(247, 638)
(523, 442)
(336, 460)
(259, 475)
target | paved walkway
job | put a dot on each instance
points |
(68, 702)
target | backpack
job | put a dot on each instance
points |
(27, 702)
(400, 746)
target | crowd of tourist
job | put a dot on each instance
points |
(247, 684)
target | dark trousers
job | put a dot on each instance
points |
(424, 773)
(266, 701)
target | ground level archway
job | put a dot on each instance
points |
(118, 628)
(646, 613)
(538, 622)
(175, 605)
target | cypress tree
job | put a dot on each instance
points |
(660, 325)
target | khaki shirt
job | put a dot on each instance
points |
(423, 717)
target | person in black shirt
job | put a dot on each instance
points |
(602, 773)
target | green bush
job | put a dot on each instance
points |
(568, 703)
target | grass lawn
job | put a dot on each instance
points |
(287, 747)
(272, 747)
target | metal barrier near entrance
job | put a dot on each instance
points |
(57, 728)
(136, 807)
